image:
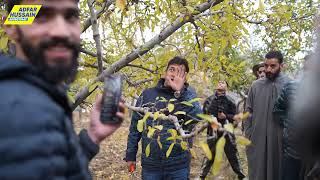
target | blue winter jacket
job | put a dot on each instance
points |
(157, 159)
(37, 139)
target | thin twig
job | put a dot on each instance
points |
(96, 35)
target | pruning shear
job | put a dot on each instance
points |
(132, 168)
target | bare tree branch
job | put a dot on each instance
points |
(96, 35)
(247, 20)
(264, 21)
(173, 45)
(171, 118)
(137, 83)
(197, 129)
(124, 61)
(105, 7)
(87, 52)
(90, 65)
(131, 65)
(141, 67)
(196, 35)
(140, 27)
(208, 14)
(183, 2)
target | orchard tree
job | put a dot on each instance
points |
(220, 38)
(137, 38)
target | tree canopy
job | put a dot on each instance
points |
(221, 39)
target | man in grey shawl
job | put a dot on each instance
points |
(262, 128)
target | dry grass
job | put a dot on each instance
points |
(109, 163)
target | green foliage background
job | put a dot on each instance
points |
(221, 43)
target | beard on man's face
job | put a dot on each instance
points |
(273, 76)
(59, 72)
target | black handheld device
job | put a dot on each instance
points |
(110, 100)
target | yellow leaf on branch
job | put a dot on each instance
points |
(186, 103)
(206, 149)
(159, 142)
(184, 145)
(229, 127)
(173, 132)
(206, 117)
(121, 4)
(150, 132)
(219, 155)
(170, 107)
(169, 150)
(194, 100)
(140, 125)
(159, 127)
(245, 115)
(180, 113)
(188, 122)
(145, 117)
(242, 140)
(156, 115)
(241, 116)
(148, 150)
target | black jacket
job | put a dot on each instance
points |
(37, 139)
(215, 104)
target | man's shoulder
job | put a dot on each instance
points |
(283, 78)
(148, 94)
(16, 86)
(259, 82)
(230, 99)
(190, 92)
(211, 98)
(191, 89)
(149, 91)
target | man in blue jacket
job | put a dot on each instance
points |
(37, 139)
(157, 166)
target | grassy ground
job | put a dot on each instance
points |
(109, 163)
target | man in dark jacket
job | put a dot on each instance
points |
(173, 88)
(37, 139)
(292, 166)
(223, 107)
